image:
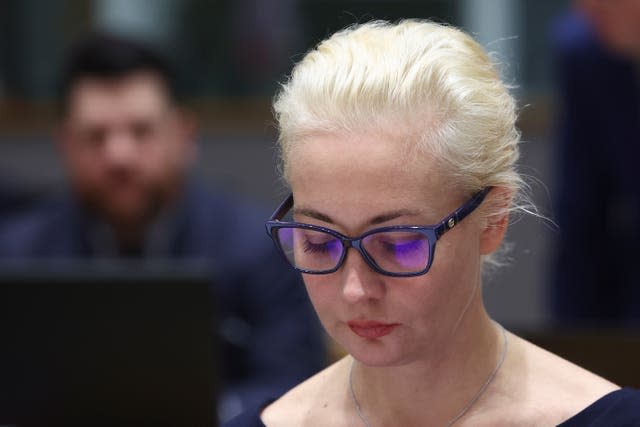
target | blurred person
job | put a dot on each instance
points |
(12, 201)
(127, 147)
(400, 146)
(263, 33)
(597, 61)
(8, 200)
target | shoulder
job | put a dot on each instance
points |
(223, 205)
(315, 402)
(572, 32)
(577, 48)
(31, 232)
(541, 388)
(226, 221)
(618, 408)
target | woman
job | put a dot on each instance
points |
(385, 128)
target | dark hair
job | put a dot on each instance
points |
(106, 56)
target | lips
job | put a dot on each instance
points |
(371, 329)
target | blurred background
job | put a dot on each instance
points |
(230, 55)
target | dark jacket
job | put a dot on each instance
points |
(271, 337)
(597, 270)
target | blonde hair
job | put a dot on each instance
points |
(431, 81)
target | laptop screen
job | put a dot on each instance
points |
(125, 345)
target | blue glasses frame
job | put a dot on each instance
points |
(432, 232)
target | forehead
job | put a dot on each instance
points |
(97, 99)
(369, 148)
(365, 171)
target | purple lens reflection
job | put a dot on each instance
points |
(398, 251)
(310, 249)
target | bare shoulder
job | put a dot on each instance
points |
(547, 389)
(312, 402)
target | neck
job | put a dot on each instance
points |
(130, 235)
(434, 389)
(133, 231)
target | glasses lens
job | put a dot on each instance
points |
(310, 250)
(398, 251)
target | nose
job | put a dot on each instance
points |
(120, 149)
(360, 282)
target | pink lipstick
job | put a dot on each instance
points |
(371, 329)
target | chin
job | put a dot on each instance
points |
(381, 352)
(133, 209)
(127, 218)
(378, 358)
(119, 213)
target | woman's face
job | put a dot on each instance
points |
(353, 183)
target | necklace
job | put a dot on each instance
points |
(474, 399)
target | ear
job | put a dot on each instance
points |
(60, 136)
(188, 127)
(495, 225)
(188, 123)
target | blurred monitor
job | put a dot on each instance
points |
(106, 346)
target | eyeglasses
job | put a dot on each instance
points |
(398, 250)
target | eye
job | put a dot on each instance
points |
(94, 137)
(326, 246)
(403, 246)
(142, 130)
(396, 243)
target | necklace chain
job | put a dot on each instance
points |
(464, 410)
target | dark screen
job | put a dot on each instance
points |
(106, 348)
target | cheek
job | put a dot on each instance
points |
(322, 292)
(84, 166)
(160, 158)
(457, 256)
(454, 273)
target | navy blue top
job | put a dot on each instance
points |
(620, 408)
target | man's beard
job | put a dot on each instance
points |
(128, 212)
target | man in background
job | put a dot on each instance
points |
(9, 201)
(597, 271)
(127, 147)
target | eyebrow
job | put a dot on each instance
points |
(379, 219)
